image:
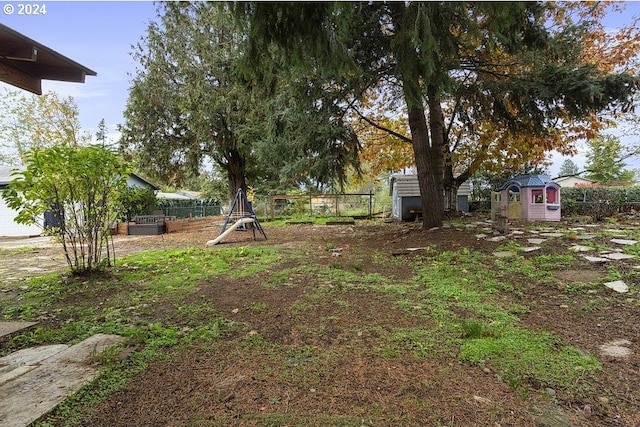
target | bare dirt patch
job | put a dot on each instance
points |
(319, 359)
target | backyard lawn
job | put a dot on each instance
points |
(365, 324)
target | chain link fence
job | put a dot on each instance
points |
(190, 208)
(356, 205)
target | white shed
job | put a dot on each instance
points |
(405, 197)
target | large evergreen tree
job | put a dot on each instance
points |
(449, 66)
(190, 104)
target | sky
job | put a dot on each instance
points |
(99, 35)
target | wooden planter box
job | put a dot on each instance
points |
(146, 229)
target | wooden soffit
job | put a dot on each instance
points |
(25, 63)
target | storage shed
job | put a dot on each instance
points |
(405, 197)
(529, 197)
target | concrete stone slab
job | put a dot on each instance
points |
(617, 256)
(618, 286)
(596, 259)
(531, 249)
(47, 377)
(503, 254)
(624, 241)
(496, 239)
(617, 348)
(585, 236)
(552, 234)
(580, 248)
(8, 328)
(536, 241)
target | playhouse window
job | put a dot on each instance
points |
(552, 195)
(537, 196)
(514, 195)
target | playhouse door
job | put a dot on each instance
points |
(514, 208)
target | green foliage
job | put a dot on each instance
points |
(136, 201)
(597, 202)
(568, 168)
(80, 187)
(605, 161)
(390, 57)
(35, 122)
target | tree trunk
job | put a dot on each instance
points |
(431, 197)
(236, 173)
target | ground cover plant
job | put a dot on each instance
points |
(370, 323)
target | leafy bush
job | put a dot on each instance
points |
(598, 202)
(79, 186)
(136, 201)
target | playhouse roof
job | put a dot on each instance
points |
(528, 181)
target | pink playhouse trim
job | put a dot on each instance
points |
(530, 197)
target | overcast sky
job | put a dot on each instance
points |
(99, 35)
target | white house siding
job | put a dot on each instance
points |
(8, 226)
(573, 181)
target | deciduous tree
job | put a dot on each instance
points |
(606, 161)
(28, 121)
(482, 74)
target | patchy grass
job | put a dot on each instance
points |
(315, 328)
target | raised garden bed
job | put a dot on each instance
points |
(147, 225)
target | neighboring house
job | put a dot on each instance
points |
(136, 180)
(571, 181)
(8, 225)
(10, 228)
(528, 197)
(405, 197)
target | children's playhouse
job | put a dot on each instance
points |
(528, 197)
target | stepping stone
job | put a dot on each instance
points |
(617, 256)
(8, 328)
(552, 234)
(617, 348)
(530, 248)
(615, 230)
(580, 248)
(624, 242)
(536, 241)
(503, 254)
(618, 286)
(586, 236)
(34, 381)
(481, 236)
(596, 259)
(496, 239)
(517, 232)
